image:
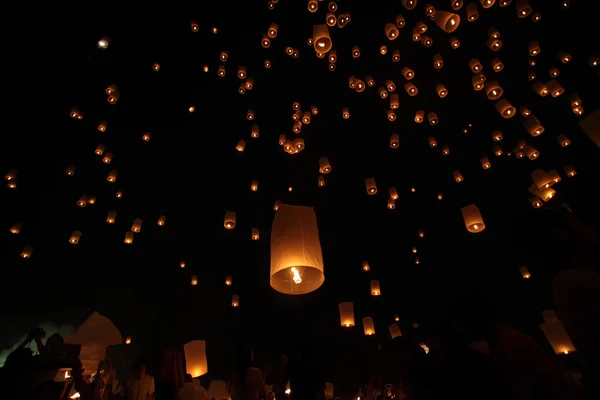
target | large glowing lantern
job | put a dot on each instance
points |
(322, 40)
(347, 314)
(472, 218)
(195, 358)
(296, 258)
(556, 334)
(447, 21)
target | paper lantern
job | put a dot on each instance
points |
(16, 228)
(454, 43)
(296, 258)
(432, 141)
(321, 38)
(533, 126)
(523, 8)
(128, 238)
(472, 218)
(394, 141)
(235, 301)
(456, 4)
(447, 21)
(409, 4)
(375, 288)
(75, 237)
(371, 186)
(195, 358)
(570, 171)
(229, 220)
(324, 165)
(391, 31)
(368, 326)
(395, 331)
(346, 314)
(329, 392)
(365, 266)
(506, 109)
(472, 12)
(194, 280)
(27, 251)
(558, 337)
(112, 216)
(136, 226)
(524, 272)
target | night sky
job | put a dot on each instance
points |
(190, 172)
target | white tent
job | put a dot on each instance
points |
(94, 336)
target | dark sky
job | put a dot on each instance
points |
(190, 172)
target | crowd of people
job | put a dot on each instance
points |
(473, 357)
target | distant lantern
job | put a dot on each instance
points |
(394, 141)
(112, 216)
(104, 42)
(391, 204)
(136, 226)
(382, 92)
(485, 163)
(487, 3)
(194, 280)
(391, 31)
(314, 110)
(524, 272)
(433, 118)
(408, 73)
(447, 21)
(438, 61)
(396, 55)
(411, 89)
(370, 81)
(249, 115)
(368, 324)
(419, 116)
(526, 112)
(102, 126)
(458, 176)
(497, 150)
(472, 218)
(229, 220)
(16, 228)
(395, 331)
(446, 150)
(321, 181)
(146, 136)
(441, 91)
(313, 6)
(254, 234)
(240, 145)
(523, 8)
(296, 258)
(497, 65)
(355, 51)
(553, 72)
(162, 220)
(27, 251)
(472, 12)
(533, 126)
(272, 31)
(554, 88)
(70, 171)
(224, 56)
(254, 133)
(156, 66)
(112, 176)
(75, 237)
(195, 358)
(330, 19)
(221, 71)
(563, 140)
(456, 4)
(432, 142)
(324, 165)
(371, 186)
(107, 158)
(393, 193)
(375, 288)
(194, 26)
(506, 109)
(534, 48)
(265, 41)
(390, 85)
(254, 186)
(494, 44)
(332, 57)
(228, 280)
(383, 49)
(100, 150)
(493, 90)
(322, 40)
(267, 64)
(391, 115)
(235, 301)
(365, 266)
(475, 65)
(345, 113)
(570, 171)
(400, 21)
(346, 314)
(454, 43)
(409, 4)
(128, 238)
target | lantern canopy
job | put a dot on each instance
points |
(296, 258)
(195, 358)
